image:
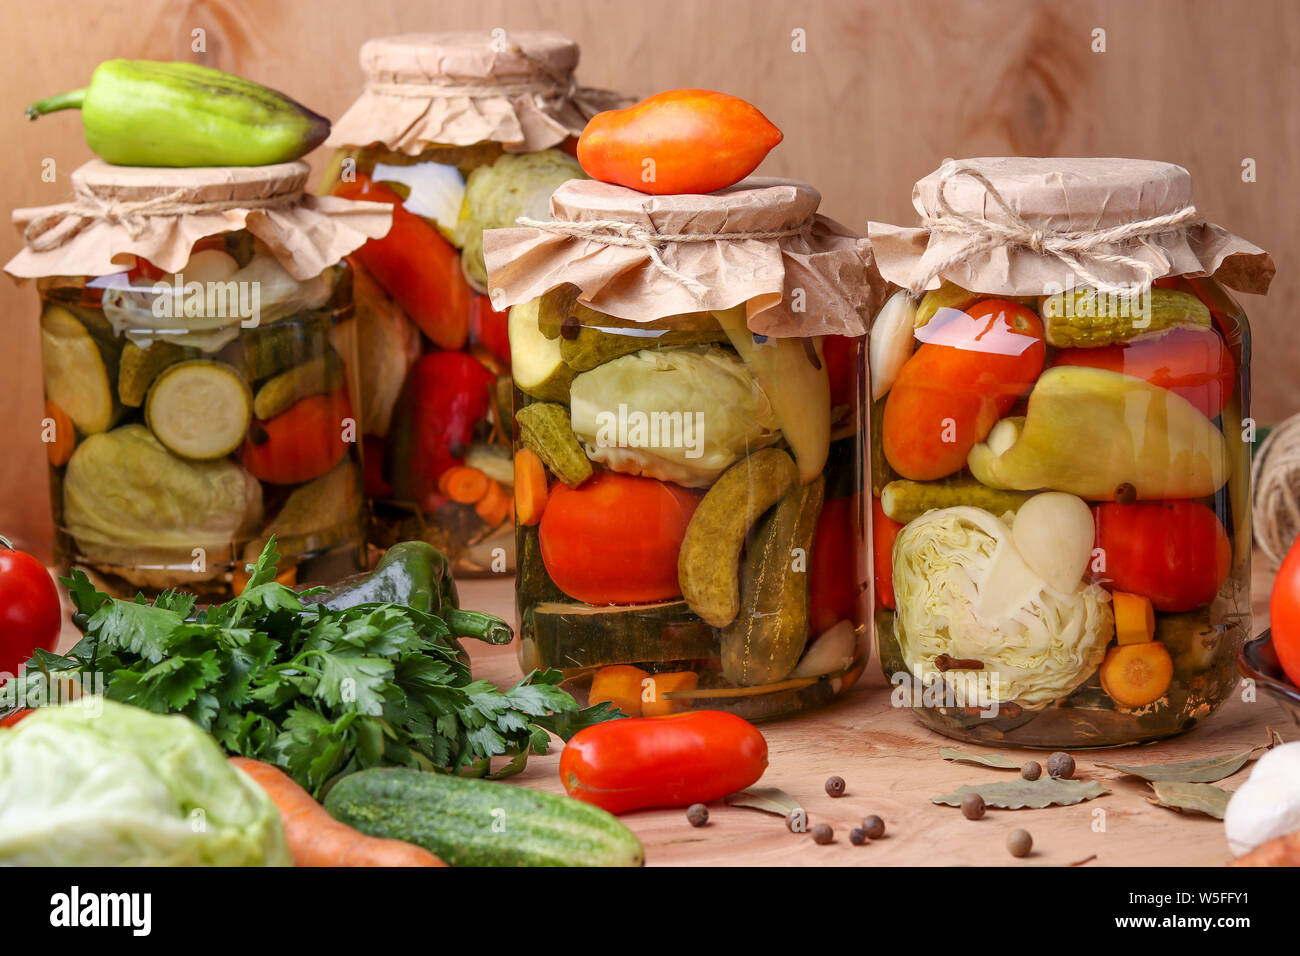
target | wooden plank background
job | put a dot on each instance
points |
(884, 91)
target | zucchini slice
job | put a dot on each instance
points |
(76, 377)
(199, 409)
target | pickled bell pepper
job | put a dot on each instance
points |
(416, 266)
(446, 394)
(300, 443)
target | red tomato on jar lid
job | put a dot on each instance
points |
(615, 538)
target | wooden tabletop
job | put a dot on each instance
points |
(892, 767)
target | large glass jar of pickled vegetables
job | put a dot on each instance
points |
(459, 132)
(1061, 446)
(196, 358)
(690, 461)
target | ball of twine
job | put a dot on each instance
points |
(1275, 473)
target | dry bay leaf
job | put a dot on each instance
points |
(1205, 770)
(1200, 797)
(1027, 794)
(997, 761)
(767, 799)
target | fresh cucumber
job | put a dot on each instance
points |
(199, 409)
(471, 822)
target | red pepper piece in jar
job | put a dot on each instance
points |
(416, 266)
(373, 451)
(490, 328)
(302, 442)
(834, 583)
(672, 761)
(884, 531)
(446, 394)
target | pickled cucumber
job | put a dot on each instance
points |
(78, 372)
(544, 427)
(578, 635)
(139, 367)
(318, 515)
(708, 566)
(763, 644)
(535, 361)
(199, 409)
(949, 295)
(316, 376)
(592, 347)
(1083, 317)
(904, 500)
(277, 347)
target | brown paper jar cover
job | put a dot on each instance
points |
(458, 89)
(760, 242)
(978, 244)
(121, 212)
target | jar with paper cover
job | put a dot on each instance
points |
(458, 132)
(194, 328)
(690, 445)
(1061, 455)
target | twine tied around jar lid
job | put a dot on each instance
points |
(1074, 248)
(55, 227)
(617, 232)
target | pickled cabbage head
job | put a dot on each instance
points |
(517, 184)
(129, 502)
(962, 589)
(681, 414)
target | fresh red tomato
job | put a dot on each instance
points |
(30, 615)
(884, 530)
(1284, 614)
(836, 581)
(1189, 361)
(969, 371)
(490, 328)
(301, 443)
(671, 761)
(615, 538)
(16, 716)
(1174, 552)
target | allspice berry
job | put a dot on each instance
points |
(1032, 770)
(874, 827)
(1060, 765)
(972, 806)
(857, 836)
(835, 786)
(822, 833)
(697, 814)
(1019, 842)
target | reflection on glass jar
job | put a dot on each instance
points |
(690, 512)
(434, 369)
(1062, 533)
(190, 416)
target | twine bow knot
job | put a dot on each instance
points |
(1079, 250)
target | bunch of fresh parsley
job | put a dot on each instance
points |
(318, 692)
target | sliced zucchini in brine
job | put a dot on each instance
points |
(76, 376)
(199, 409)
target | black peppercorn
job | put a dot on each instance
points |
(835, 786)
(456, 449)
(1125, 494)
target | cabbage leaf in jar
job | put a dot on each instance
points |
(964, 590)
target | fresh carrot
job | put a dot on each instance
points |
(64, 437)
(464, 484)
(315, 838)
(530, 487)
(494, 505)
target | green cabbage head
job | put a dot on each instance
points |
(98, 783)
(963, 589)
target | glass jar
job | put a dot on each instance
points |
(689, 485)
(495, 138)
(180, 442)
